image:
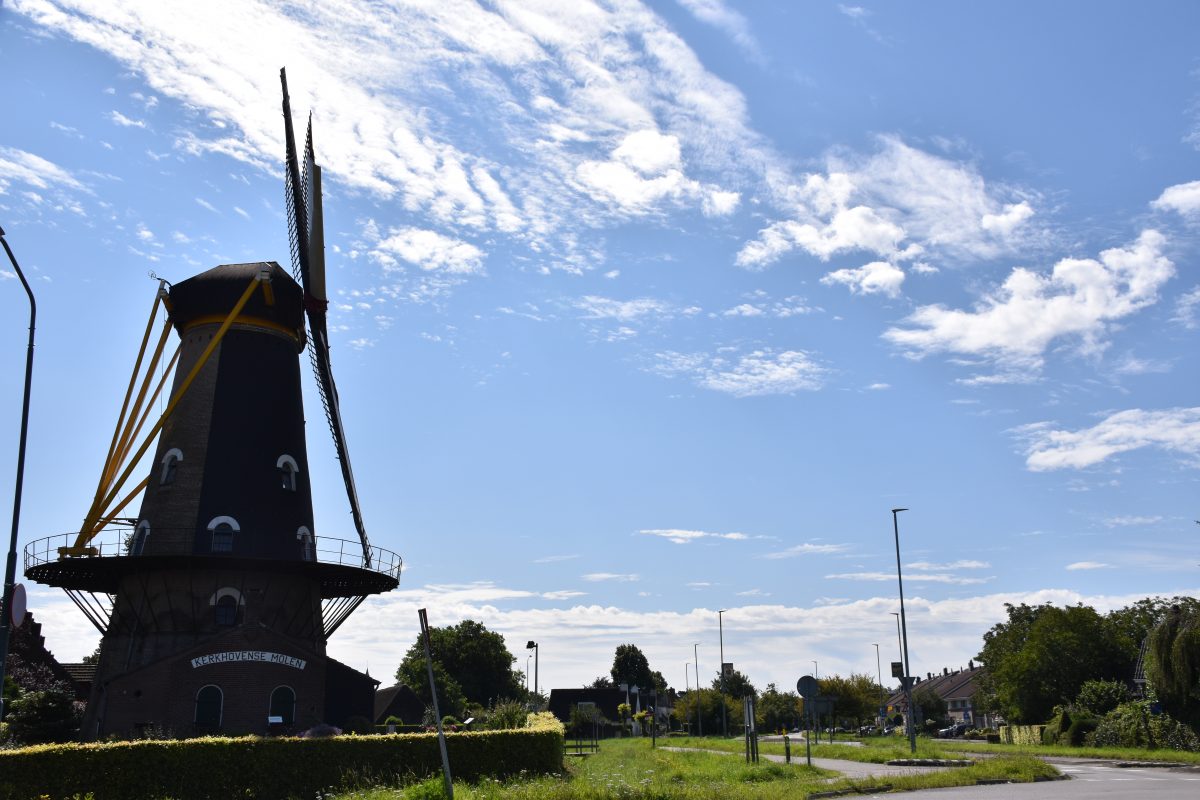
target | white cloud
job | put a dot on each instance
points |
(687, 537)
(1078, 565)
(758, 373)
(432, 251)
(942, 632)
(914, 577)
(1127, 521)
(596, 307)
(1175, 430)
(125, 122)
(878, 277)
(898, 203)
(1186, 307)
(1183, 198)
(597, 577)
(964, 564)
(718, 14)
(19, 166)
(743, 310)
(591, 96)
(878, 387)
(808, 548)
(1014, 325)
(555, 559)
(1008, 220)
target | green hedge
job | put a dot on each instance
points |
(250, 767)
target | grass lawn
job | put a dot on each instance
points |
(628, 769)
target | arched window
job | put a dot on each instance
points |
(287, 472)
(170, 462)
(308, 551)
(223, 529)
(208, 707)
(283, 704)
(226, 611)
(228, 606)
(139, 538)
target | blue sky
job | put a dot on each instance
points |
(643, 311)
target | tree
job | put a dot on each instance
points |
(857, 697)
(1173, 664)
(631, 667)
(930, 707)
(1137, 620)
(710, 710)
(1042, 656)
(778, 710)
(601, 682)
(736, 685)
(44, 716)
(660, 683)
(470, 664)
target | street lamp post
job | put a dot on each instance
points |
(879, 673)
(527, 675)
(10, 567)
(816, 672)
(687, 684)
(532, 645)
(721, 632)
(699, 722)
(907, 679)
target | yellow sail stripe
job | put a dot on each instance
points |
(135, 412)
(150, 403)
(102, 486)
(90, 527)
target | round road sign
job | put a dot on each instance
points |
(17, 607)
(807, 686)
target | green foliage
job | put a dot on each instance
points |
(710, 711)
(630, 666)
(1132, 725)
(507, 715)
(1101, 697)
(470, 664)
(601, 682)
(930, 707)
(1137, 620)
(623, 710)
(1173, 663)
(660, 683)
(250, 767)
(1042, 656)
(777, 710)
(43, 717)
(1021, 734)
(857, 698)
(736, 685)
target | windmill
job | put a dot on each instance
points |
(215, 603)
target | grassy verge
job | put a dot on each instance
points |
(879, 750)
(631, 770)
(1118, 753)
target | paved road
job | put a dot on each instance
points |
(1089, 779)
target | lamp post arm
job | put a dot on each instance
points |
(10, 567)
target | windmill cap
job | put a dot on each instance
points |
(211, 295)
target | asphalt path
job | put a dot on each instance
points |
(1086, 779)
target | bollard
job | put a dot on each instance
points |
(787, 750)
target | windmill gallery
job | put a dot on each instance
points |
(216, 601)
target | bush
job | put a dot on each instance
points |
(1132, 725)
(43, 717)
(1101, 697)
(506, 715)
(215, 768)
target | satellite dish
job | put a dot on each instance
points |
(17, 606)
(807, 686)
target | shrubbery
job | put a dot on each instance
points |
(251, 767)
(1132, 725)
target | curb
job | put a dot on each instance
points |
(930, 762)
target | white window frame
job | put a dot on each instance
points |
(288, 467)
(308, 543)
(212, 528)
(170, 466)
(140, 534)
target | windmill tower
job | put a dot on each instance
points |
(216, 601)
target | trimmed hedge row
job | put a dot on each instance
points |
(1021, 734)
(216, 768)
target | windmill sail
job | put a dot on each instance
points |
(307, 239)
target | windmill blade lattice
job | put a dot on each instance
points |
(303, 196)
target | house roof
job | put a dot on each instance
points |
(957, 685)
